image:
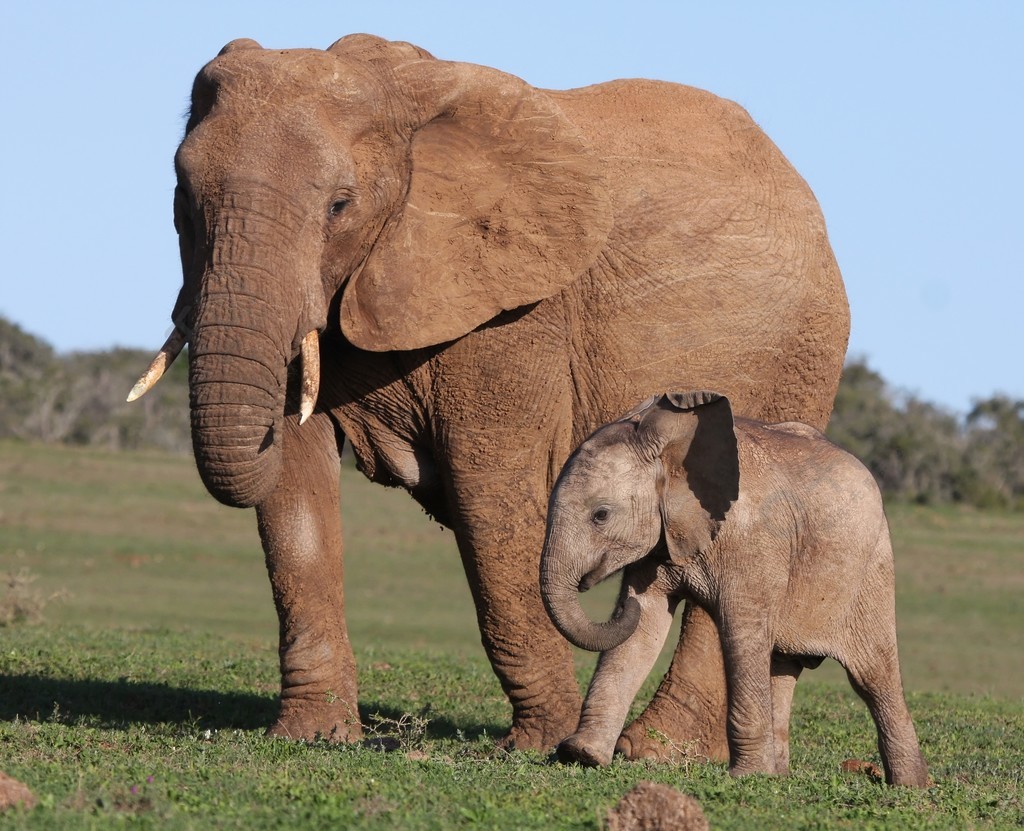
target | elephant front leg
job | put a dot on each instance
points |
(747, 653)
(500, 532)
(620, 673)
(686, 717)
(300, 526)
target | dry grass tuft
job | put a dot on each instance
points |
(21, 603)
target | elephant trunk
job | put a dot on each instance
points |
(561, 576)
(259, 297)
(237, 382)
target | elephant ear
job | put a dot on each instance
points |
(506, 206)
(700, 462)
(374, 50)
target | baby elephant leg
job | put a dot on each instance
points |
(785, 672)
(619, 674)
(747, 653)
(877, 680)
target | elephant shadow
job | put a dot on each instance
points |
(122, 703)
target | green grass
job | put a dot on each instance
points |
(141, 697)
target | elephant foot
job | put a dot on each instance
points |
(578, 751)
(686, 717)
(752, 757)
(669, 732)
(911, 772)
(751, 769)
(311, 720)
(532, 736)
(542, 728)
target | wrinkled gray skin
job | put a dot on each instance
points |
(489, 272)
(776, 532)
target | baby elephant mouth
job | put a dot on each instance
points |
(600, 572)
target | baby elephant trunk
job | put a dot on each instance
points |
(560, 582)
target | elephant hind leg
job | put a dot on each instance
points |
(877, 681)
(686, 717)
(785, 672)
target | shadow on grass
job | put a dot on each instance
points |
(118, 704)
(121, 703)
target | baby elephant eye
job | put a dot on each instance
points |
(337, 206)
(600, 516)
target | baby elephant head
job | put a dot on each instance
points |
(666, 472)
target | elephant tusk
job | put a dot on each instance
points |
(310, 352)
(164, 358)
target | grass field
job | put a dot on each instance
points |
(140, 696)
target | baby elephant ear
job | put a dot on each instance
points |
(691, 400)
(711, 459)
(701, 468)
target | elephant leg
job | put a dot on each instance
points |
(499, 527)
(747, 656)
(532, 661)
(620, 673)
(300, 526)
(785, 672)
(687, 713)
(876, 678)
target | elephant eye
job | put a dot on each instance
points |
(337, 207)
(600, 516)
(182, 215)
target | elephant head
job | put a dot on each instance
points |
(667, 472)
(406, 199)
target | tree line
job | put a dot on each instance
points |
(79, 398)
(916, 450)
(923, 453)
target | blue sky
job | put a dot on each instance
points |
(906, 120)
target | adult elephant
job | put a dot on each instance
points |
(465, 275)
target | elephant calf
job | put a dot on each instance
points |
(776, 532)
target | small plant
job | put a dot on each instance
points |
(683, 755)
(407, 732)
(20, 602)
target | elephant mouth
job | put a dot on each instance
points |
(309, 352)
(598, 574)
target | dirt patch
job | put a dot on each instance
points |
(872, 771)
(13, 792)
(654, 807)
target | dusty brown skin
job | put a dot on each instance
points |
(494, 270)
(775, 531)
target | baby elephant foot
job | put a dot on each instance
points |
(910, 771)
(577, 750)
(754, 763)
(308, 720)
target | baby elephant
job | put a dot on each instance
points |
(776, 532)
